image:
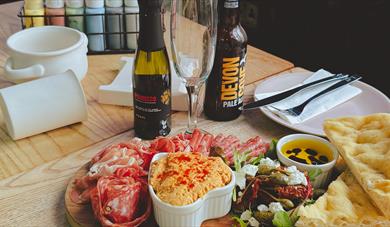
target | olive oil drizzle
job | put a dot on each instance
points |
(307, 152)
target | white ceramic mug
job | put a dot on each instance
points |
(43, 104)
(42, 51)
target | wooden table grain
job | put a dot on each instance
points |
(34, 171)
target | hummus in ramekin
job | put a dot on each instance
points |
(182, 178)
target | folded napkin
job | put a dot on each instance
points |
(316, 106)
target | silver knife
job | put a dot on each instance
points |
(285, 94)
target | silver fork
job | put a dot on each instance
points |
(297, 110)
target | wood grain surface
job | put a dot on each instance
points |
(104, 121)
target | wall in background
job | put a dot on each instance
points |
(347, 36)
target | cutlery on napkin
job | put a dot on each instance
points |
(316, 106)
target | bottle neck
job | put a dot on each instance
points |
(151, 34)
(230, 12)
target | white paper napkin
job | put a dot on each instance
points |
(120, 91)
(316, 106)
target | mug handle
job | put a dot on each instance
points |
(19, 75)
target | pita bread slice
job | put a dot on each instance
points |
(364, 143)
(344, 204)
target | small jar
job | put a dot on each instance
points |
(56, 12)
(33, 8)
(132, 23)
(114, 17)
(95, 24)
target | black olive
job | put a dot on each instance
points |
(296, 151)
(288, 151)
(295, 158)
(324, 158)
(315, 161)
(311, 152)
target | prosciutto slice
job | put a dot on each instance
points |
(121, 199)
(183, 142)
(134, 154)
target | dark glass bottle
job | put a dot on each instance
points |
(225, 85)
(152, 75)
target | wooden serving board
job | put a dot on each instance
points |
(81, 215)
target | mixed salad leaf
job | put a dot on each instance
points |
(267, 193)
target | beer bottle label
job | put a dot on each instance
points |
(231, 4)
(153, 109)
(233, 81)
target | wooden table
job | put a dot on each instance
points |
(34, 171)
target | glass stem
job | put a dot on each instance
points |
(193, 93)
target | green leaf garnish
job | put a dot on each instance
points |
(256, 160)
(234, 194)
(236, 161)
(313, 174)
(271, 153)
(239, 159)
(281, 219)
(240, 221)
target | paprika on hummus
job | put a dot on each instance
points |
(183, 177)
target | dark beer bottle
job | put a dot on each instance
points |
(152, 75)
(225, 85)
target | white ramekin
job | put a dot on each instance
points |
(216, 203)
(326, 169)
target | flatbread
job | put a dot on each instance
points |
(364, 143)
(344, 204)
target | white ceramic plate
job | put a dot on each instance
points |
(369, 101)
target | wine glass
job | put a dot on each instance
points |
(193, 32)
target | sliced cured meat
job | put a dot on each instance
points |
(134, 154)
(256, 145)
(182, 142)
(201, 142)
(162, 144)
(225, 146)
(204, 145)
(116, 200)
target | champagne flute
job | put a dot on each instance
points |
(193, 39)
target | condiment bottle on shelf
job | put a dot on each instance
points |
(132, 23)
(55, 12)
(225, 85)
(34, 8)
(75, 7)
(95, 24)
(152, 75)
(115, 24)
